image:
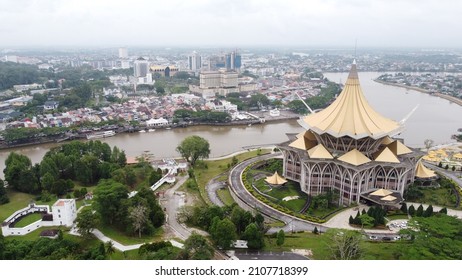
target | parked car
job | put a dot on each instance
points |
(373, 237)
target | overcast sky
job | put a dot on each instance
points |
(374, 23)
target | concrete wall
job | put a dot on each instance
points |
(7, 231)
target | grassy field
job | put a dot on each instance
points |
(319, 245)
(216, 167)
(28, 219)
(18, 201)
(289, 189)
(124, 239)
(225, 196)
(295, 204)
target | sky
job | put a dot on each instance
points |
(232, 23)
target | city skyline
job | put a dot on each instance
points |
(314, 23)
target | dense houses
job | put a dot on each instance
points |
(446, 83)
(281, 76)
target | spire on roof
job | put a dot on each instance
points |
(351, 115)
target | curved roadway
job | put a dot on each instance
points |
(237, 186)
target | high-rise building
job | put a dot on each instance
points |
(194, 61)
(141, 67)
(123, 53)
(350, 150)
(233, 61)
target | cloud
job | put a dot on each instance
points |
(223, 22)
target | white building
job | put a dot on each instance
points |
(123, 53)
(156, 122)
(221, 82)
(64, 212)
(194, 61)
(141, 68)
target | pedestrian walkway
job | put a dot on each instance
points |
(98, 234)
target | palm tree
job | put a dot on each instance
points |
(110, 248)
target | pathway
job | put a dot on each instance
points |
(212, 187)
(173, 200)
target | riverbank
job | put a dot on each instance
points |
(453, 99)
(285, 116)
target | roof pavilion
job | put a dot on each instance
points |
(275, 179)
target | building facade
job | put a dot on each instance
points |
(350, 149)
(141, 67)
(194, 62)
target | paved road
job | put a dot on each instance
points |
(236, 185)
(172, 201)
(249, 255)
(212, 187)
(450, 174)
(291, 223)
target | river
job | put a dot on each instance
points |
(436, 119)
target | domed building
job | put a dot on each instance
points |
(351, 149)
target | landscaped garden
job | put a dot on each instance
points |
(445, 195)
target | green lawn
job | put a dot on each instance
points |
(323, 212)
(215, 168)
(262, 186)
(295, 204)
(225, 196)
(319, 245)
(125, 239)
(289, 189)
(127, 255)
(28, 219)
(19, 200)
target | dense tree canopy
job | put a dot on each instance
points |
(203, 116)
(20, 174)
(3, 195)
(196, 247)
(438, 237)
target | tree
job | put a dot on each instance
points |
(428, 143)
(19, 173)
(404, 208)
(196, 247)
(433, 238)
(110, 248)
(254, 237)
(428, 212)
(110, 198)
(224, 233)
(411, 210)
(366, 221)
(298, 107)
(193, 148)
(86, 222)
(419, 211)
(138, 216)
(351, 221)
(344, 245)
(315, 230)
(3, 195)
(155, 176)
(280, 238)
(453, 168)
